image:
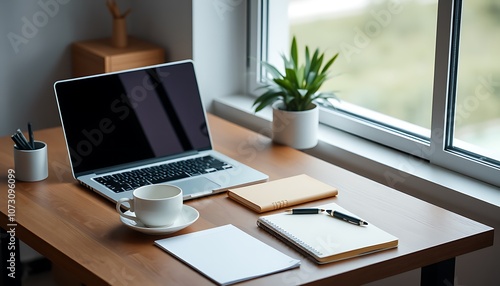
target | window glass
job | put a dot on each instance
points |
(398, 83)
(477, 109)
(386, 59)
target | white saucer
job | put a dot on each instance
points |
(188, 216)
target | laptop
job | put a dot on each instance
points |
(144, 126)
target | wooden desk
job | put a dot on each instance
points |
(81, 232)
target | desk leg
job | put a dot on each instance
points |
(10, 264)
(441, 273)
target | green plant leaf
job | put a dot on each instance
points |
(287, 63)
(308, 61)
(285, 84)
(318, 64)
(267, 99)
(275, 73)
(294, 54)
(291, 77)
(300, 77)
(314, 60)
(329, 63)
(298, 86)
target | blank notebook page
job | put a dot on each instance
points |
(326, 238)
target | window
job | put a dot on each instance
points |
(477, 105)
(416, 75)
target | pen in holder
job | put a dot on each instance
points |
(31, 164)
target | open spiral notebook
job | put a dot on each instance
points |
(324, 238)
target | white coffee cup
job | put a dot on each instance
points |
(154, 205)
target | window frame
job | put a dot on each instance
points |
(444, 97)
(435, 149)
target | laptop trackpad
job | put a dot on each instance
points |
(196, 186)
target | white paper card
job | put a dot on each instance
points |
(227, 254)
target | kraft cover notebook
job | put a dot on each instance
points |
(282, 193)
(324, 238)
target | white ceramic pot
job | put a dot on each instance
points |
(298, 129)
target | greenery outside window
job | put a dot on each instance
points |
(416, 75)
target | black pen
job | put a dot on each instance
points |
(333, 213)
(20, 144)
(304, 211)
(17, 142)
(25, 143)
(30, 134)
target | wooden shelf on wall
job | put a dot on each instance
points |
(100, 56)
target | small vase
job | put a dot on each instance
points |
(297, 129)
(119, 37)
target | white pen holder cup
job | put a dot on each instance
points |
(153, 205)
(31, 165)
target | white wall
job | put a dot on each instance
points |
(167, 23)
(34, 53)
(41, 32)
(219, 47)
(35, 47)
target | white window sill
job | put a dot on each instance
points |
(387, 166)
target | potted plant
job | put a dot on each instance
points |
(293, 96)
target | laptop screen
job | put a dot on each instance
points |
(132, 116)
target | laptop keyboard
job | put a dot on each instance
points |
(130, 180)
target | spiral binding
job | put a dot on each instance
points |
(293, 239)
